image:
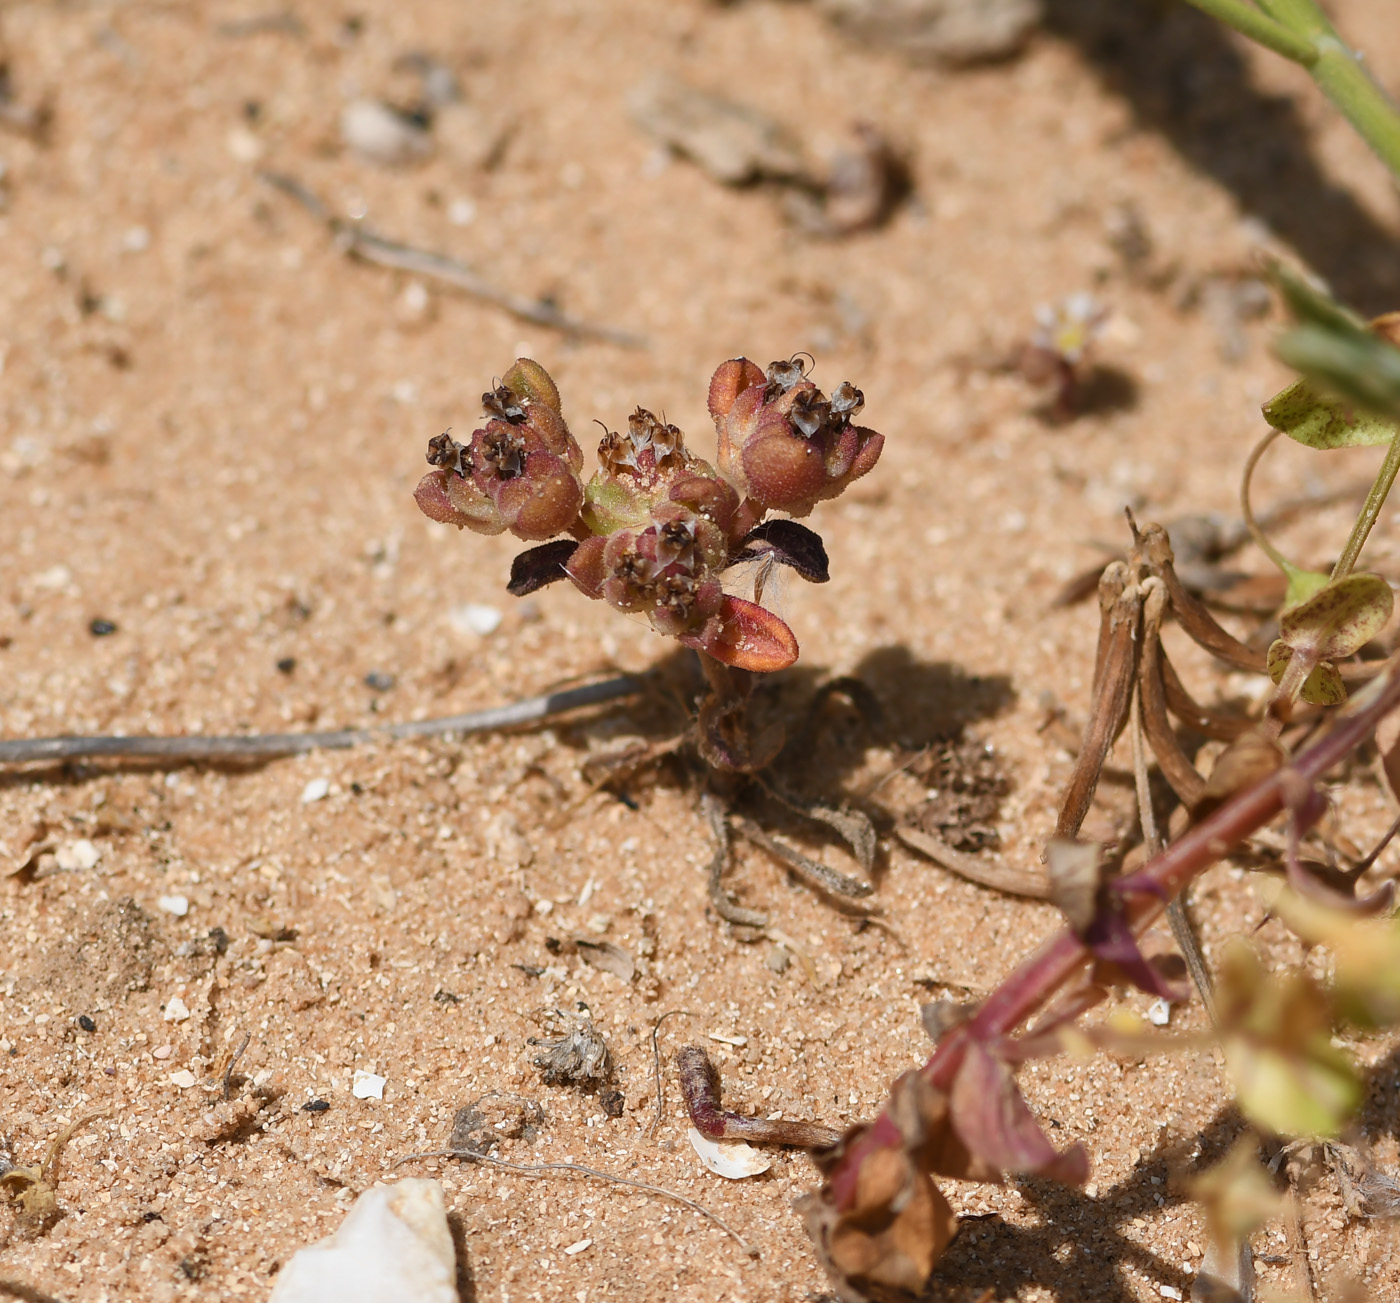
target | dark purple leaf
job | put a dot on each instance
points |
(1311, 881)
(793, 544)
(1112, 942)
(996, 1124)
(538, 566)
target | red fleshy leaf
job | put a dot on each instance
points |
(996, 1124)
(433, 502)
(747, 637)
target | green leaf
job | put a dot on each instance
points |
(1350, 391)
(1276, 1030)
(1293, 1094)
(1324, 423)
(1339, 619)
(1361, 369)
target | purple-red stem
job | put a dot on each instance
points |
(1033, 984)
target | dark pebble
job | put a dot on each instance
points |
(287, 664)
(379, 681)
(446, 997)
(316, 1106)
(86, 1023)
(613, 1102)
(100, 628)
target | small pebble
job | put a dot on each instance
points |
(1159, 1013)
(1168, 1291)
(176, 1010)
(100, 628)
(473, 617)
(578, 1246)
(177, 905)
(368, 1085)
(315, 1106)
(379, 681)
(184, 1079)
(382, 134)
(162, 1052)
(315, 790)
(72, 856)
(286, 664)
(86, 1023)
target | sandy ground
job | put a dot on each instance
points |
(210, 425)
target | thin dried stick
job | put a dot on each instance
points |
(713, 809)
(656, 1064)
(543, 1169)
(264, 746)
(841, 890)
(233, 1062)
(985, 873)
(359, 242)
(1177, 917)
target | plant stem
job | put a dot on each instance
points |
(1256, 532)
(1375, 500)
(1299, 30)
(1341, 76)
(1258, 26)
(1058, 960)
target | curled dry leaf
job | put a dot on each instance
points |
(608, 957)
(880, 1233)
(1075, 877)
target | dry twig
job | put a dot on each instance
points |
(543, 1169)
(360, 242)
(266, 746)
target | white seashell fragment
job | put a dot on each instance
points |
(734, 1159)
(393, 1244)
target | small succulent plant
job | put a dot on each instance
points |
(655, 528)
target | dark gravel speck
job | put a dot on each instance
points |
(100, 628)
